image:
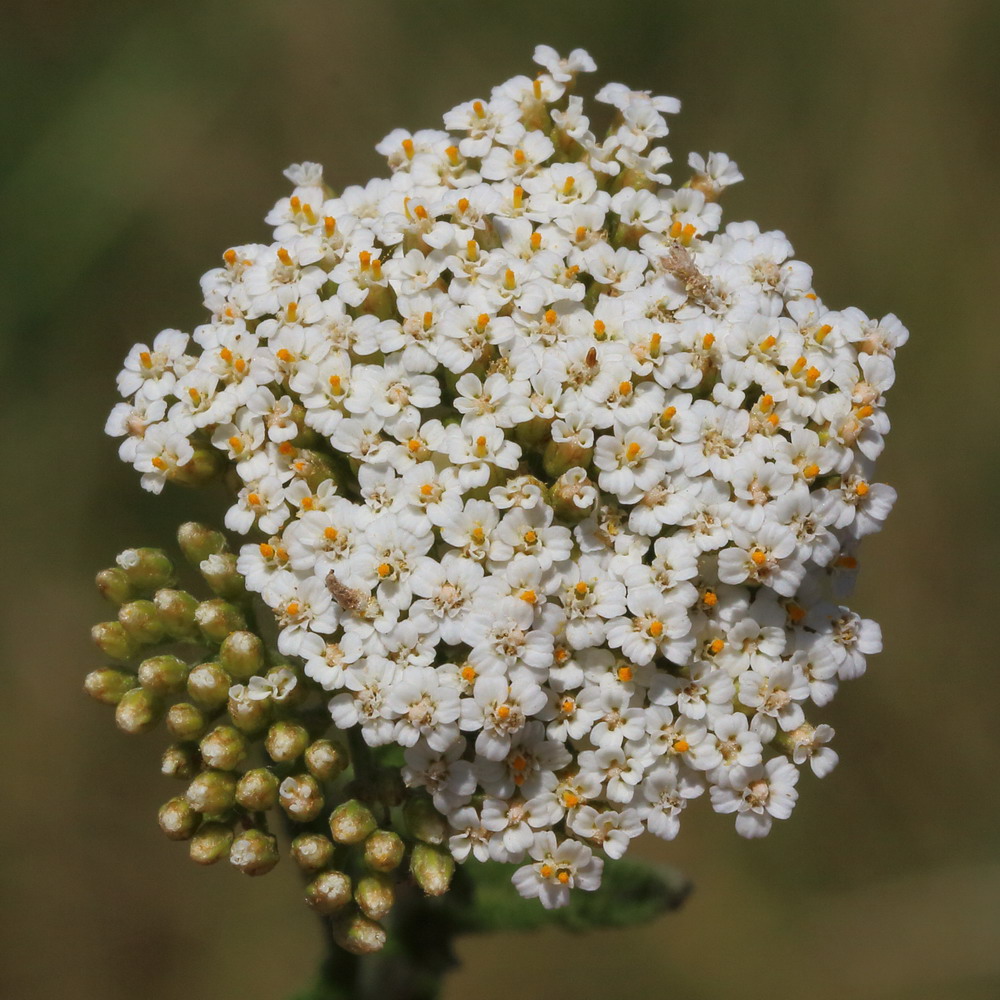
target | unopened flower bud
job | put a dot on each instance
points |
(139, 711)
(198, 542)
(113, 641)
(178, 820)
(301, 798)
(329, 891)
(163, 674)
(433, 868)
(375, 895)
(218, 618)
(186, 721)
(224, 748)
(142, 622)
(423, 821)
(359, 935)
(114, 585)
(254, 852)
(242, 655)
(208, 685)
(326, 759)
(351, 822)
(219, 572)
(249, 714)
(180, 762)
(314, 467)
(212, 792)
(312, 852)
(108, 685)
(211, 843)
(176, 609)
(201, 469)
(561, 456)
(286, 741)
(384, 851)
(147, 569)
(257, 790)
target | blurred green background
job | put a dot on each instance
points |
(138, 140)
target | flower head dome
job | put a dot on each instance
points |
(549, 480)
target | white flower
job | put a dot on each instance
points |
(558, 868)
(758, 795)
(426, 709)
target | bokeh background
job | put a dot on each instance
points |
(138, 140)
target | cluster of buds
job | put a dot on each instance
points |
(553, 485)
(251, 743)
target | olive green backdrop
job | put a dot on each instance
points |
(138, 140)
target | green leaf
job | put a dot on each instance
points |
(630, 893)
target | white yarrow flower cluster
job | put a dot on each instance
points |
(550, 480)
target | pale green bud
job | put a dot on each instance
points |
(180, 762)
(208, 685)
(198, 542)
(286, 742)
(186, 721)
(328, 892)
(139, 711)
(176, 609)
(224, 748)
(351, 822)
(114, 585)
(301, 798)
(326, 759)
(178, 820)
(201, 469)
(254, 852)
(433, 868)
(210, 843)
(358, 934)
(242, 655)
(257, 790)
(108, 685)
(219, 572)
(142, 622)
(384, 851)
(218, 618)
(424, 821)
(312, 852)
(561, 456)
(165, 674)
(113, 641)
(212, 792)
(314, 467)
(147, 569)
(533, 432)
(380, 302)
(250, 715)
(375, 895)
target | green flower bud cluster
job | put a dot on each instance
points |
(254, 745)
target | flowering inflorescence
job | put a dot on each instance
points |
(551, 482)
